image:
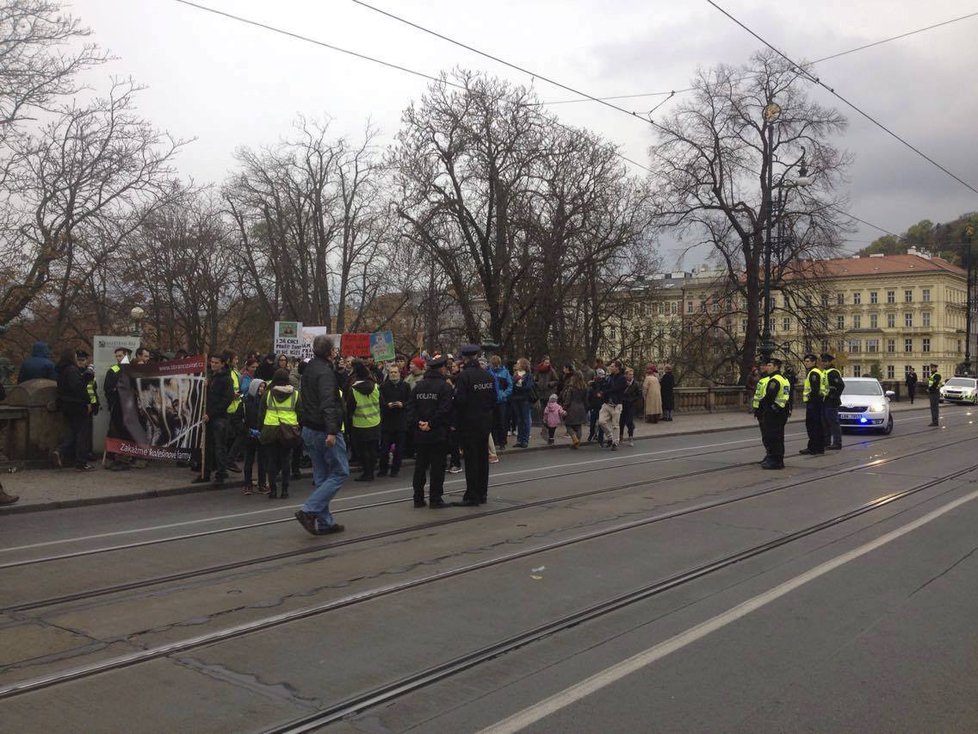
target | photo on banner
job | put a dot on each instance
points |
(163, 407)
(103, 357)
(382, 346)
(288, 338)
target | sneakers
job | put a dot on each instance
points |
(84, 467)
(614, 447)
(307, 520)
(455, 470)
(493, 459)
(631, 442)
(438, 504)
(329, 529)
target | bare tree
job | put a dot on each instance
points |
(721, 162)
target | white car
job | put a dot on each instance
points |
(960, 390)
(865, 405)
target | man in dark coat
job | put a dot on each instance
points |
(667, 384)
(475, 399)
(394, 394)
(76, 408)
(428, 415)
(38, 365)
(220, 393)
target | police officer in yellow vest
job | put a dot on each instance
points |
(236, 427)
(279, 407)
(771, 408)
(363, 407)
(813, 395)
(934, 393)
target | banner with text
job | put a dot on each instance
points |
(162, 410)
(288, 338)
(382, 346)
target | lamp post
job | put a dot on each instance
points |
(969, 234)
(137, 315)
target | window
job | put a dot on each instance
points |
(874, 321)
(925, 372)
(872, 345)
(908, 319)
(925, 347)
(925, 295)
(908, 296)
(891, 296)
(926, 317)
(702, 304)
(786, 324)
(890, 372)
(840, 299)
(890, 320)
(855, 346)
(873, 297)
(857, 370)
(689, 307)
(908, 345)
(891, 345)
(825, 345)
(674, 308)
(825, 299)
(840, 323)
(857, 321)
(743, 326)
(857, 298)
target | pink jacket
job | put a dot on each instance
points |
(552, 415)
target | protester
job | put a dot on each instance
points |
(504, 389)
(76, 408)
(38, 366)
(394, 394)
(594, 406)
(552, 415)
(363, 407)
(278, 410)
(574, 402)
(91, 388)
(523, 396)
(219, 396)
(322, 423)
(546, 383)
(612, 396)
(256, 392)
(266, 370)
(652, 392)
(632, 404)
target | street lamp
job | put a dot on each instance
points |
(137, 315)
(969, 234)
(771, 113)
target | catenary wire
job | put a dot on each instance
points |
(815, 80)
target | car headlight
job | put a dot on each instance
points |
(877, 407)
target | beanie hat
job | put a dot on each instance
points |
(281, 377)
(418, 362)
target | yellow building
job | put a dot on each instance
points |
(879, 314)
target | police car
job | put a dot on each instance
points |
(960, 390)
(865, 406)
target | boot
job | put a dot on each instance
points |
(272, 492)
(7, 499)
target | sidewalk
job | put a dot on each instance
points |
(49, 489)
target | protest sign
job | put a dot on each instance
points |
(288, 338)
(382, 346)
(309, 333)
(103, 357)
(162, 406)
(355, 345)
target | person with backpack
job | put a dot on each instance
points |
(279, 417)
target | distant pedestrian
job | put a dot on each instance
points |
(911, 383)
(546, 383)
(394, 394)
(573, 399)
(552, 415)
(667, 384)
(504, 389)
(220, 393)
(652, 392)
(523, 396)
(934, 393)
(632, 404)
(594, 402)
(76, 408)
(612, 397)
(322, 433)
(252, 447)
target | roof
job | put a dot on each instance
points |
(888, 264)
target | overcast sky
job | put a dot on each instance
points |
(227, 84)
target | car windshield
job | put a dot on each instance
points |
(862, 388)
(960, 382)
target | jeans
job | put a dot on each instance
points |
(216, 450)
(608, 420)
(521, 411)
(594, 431)
(627, 421)
(253, 451)
(330, 469)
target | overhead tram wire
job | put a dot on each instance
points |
(816, 61)
(815, 80)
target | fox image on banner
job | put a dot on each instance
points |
(162, 410)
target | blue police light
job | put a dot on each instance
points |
(863, 419)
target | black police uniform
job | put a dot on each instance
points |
(475, 399)
(815, 414)
(773, 419)
(430, 401)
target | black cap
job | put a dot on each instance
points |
(436, 362)
(469, 350)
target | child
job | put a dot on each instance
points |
(551, 417)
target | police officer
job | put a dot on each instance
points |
(934, 393)
(831, 401)
(475, 399)
(428, 414)
(772, 409)
(813, 395)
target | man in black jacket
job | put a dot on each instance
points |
(475, 399)
(117, 427)
(428, 415)
(394, 394)
(832, 401)
(77, 411)
(220, 393)
(612, 395)
(322, 433)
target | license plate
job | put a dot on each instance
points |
(848, 416)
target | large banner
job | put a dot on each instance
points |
(309, 333)
(103, 357)
(163, 407)
(355, 345)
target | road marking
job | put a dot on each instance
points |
(595, 683)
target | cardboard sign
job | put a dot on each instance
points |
(382, 346)
(288, 338)
(355, 345)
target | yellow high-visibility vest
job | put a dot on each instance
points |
(236, 386)
(281, 413)
(366, 414)
(823, 384)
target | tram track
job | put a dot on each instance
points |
(390, 691)
(90, 594)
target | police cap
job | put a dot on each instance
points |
(437, 361)
(469, 350)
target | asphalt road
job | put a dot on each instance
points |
(836, 595)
